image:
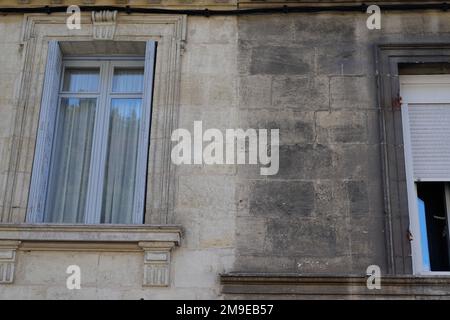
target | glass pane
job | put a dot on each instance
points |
(81, 80)
(434, 226)
(128, 80)
(66, 196)
(121, 161)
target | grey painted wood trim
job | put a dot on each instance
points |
(49, 105)
(388, 57)
(144, 134)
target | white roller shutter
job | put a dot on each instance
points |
(430, 141)
(426, 113)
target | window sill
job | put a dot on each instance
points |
(91, 233)
(314, 286)
(155, 241)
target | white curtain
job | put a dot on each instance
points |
(120, 173)
(81, 80)
(71, 155)
(66, 195)
(128, 80)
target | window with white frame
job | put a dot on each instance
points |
(426, 131)
(93, 138)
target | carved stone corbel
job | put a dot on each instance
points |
(7, 260)
(156, 263)
(104, 24)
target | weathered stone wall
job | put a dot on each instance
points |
(313, 76)
(310, 75)
(323, 212)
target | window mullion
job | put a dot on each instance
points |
(99, 150)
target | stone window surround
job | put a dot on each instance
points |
(388, 58)
(156, 237)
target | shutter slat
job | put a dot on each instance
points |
(430, 140)
(41, 164)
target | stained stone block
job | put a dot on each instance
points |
(299, 237)
(305, 161)
(358, 197)
(300, 92)
(282, 198)
(278, 60)
(341, 127)
(353, 92)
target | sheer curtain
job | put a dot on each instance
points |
(71, 155)
(120, 173)
(81, 80)
(66, 196)
(128, 80)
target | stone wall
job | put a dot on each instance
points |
(310, 75)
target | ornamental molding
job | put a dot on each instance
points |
(155, 242)
(169, 31)
(104, 24)
(8, 260)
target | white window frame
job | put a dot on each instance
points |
(421, 90)
(52, 94)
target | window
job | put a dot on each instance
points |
(433, 205)
(92, 149)
(426, 127)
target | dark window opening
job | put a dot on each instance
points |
(433, 208)
(423, 68)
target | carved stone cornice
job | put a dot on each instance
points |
(251, 285)
(205, 3)
(176, 4)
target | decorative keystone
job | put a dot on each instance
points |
(104, 24)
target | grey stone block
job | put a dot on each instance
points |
(281, 60)
(346, 58)
(300, 237)
(325, 29)
(330, 198)
(255, 91)
(294, 126)
(281, 198)
(251, 28)
(353, 92)
(358, 197)
(341, 127)
(301, 93)
(306, 161)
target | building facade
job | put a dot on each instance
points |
(88, 185)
